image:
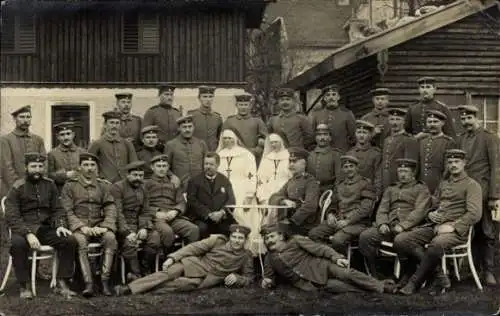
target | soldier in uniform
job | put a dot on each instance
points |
(135, 220)
(208, 193)
(168, 204)
(432, 149)
(112, 151)
(415, 117)
(164, 115)
(150, 147)
(14, 145)
(369, 156)
(398, 144)
(131, 125)
(340, 121)
(483, 164)
(207, 123)
(91, 215)
(300, 194)
(186, 152)
(310, 265)
(351, 209)
(64, 159)
(252, 129)
(207, 263)
(402, 209)
(459, 208)
(379, 116)
(324, 161)
(295, 126)
(35, 217)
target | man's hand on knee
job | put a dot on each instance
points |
(343, 263)
(230, 279)
(33, 241)
(167, 264)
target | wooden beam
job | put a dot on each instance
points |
(358, 50)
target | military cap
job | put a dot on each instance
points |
(279, 227)
(165, 87)
(88, 156)
(123, 95)
(23, 109)
(362, 124)
(63, 126)
(406, 163)
(455, 153)
(297, 153)
(135, 165)
(285, 92)
(111, 115)
(162, 157)
(424, 80)
(396, 112)
(34, 157)
(331, 87)
(322, 127)
(206, 89)
(380, 91)
(349, 158)
(235, 228)
(437, 114)
(243, 97)
(150, 129)
(468, 109)
(184, 119)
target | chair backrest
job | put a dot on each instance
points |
(325, 201)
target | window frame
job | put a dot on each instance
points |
(484, 120)
(140, 27)
(17, 30)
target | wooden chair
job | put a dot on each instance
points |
(386, 249)
(44, 253)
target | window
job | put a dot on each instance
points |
(18, 34)
(140, 33)
(343, 3)
(489, 109)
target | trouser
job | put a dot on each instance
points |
(156, 279)
(485, 240)
(338, 238)
(208, 227)
(369, 242)
(109, 244)
(433, 254)
(355, 277)
(180, 226)
(65, 247)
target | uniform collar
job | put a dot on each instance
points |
(126, 117)
(300, 175)
(427, 101)
(355, 179)
(436, 136)
(165, 106)
(205, 111)
(21, 133)
(83, 181)
(401, 132)
(210, 178)
(364, 147)
(474, 132)
(241, 117)
(111, 139)
(409, 184)
(459, 178)
(332, 109)
(378, 112)
(286, 114)
(186, 140)
(323, 149)
(165, 179)
(72, 147)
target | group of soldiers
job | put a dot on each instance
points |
(399, 175)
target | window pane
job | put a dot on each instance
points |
(492, 108)
(492, 127)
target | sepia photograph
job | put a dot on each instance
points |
(249, 157)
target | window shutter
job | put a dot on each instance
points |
(150, 33)
(130, 37)
(27, 35)
(8, 32)
(141, 33)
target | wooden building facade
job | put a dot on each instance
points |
(459, 45)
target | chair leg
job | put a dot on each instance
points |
(349, 255)
(455, 267)
(55, 268)
(123, 268)
(7, 274)
(443, 265)
(367, 270)
(473, 269)
(33, 272)
(157, 262)
(397, 267)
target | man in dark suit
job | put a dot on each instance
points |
(207, 195)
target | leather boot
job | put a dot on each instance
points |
(441, 282)
(490, 279)
(107, 264)
(83, 258)
(135, 269)
(64, 289)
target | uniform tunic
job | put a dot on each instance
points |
(114, 153)
(250, 129)
(89, 204)
(342, 124)
(395, 147)
(13, 146)
(295, 126)
(130, 128)
(370, 161)
(304, 190)
(186, 156)
(165, 117)
(416, 117)
(324, 164)
(61, 160)
(379, 118)
(432, 159)
(207, 127)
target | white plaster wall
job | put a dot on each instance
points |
(100, 100)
